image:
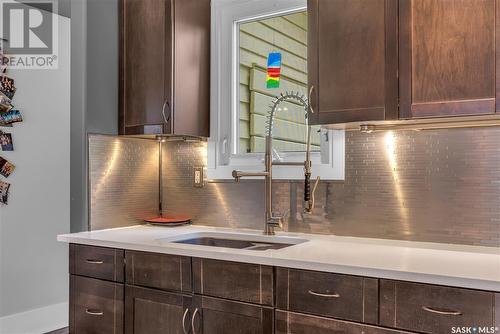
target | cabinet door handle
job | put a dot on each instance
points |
(310, 99)
(193, 318)
(184, 321)
(326, 295)
(94, 312)
(442, 312)
(94, 261)
(166, 104)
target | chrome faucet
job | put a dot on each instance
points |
(272, 221)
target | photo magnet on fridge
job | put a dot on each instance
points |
(7, 86)
(6, 168)
(12, 116)
(5, 104)
(6, 143)
(4, 192)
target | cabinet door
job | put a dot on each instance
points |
(448, 57)
(352, 60)
(145, 66)
(149, 311)
(296, 323)
(96, 307)
(219, 316)
(191, 103)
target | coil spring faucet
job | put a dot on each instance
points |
(273, 221)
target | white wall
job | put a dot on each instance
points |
(94, 90)
(33, 266)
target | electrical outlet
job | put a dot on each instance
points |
(199, 177)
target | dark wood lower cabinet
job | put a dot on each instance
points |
(297, 323)
(219, 316)
(96, 307)
(149, 311)
(167, 294)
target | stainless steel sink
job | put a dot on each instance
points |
(235, 241)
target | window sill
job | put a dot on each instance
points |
(326, 172)
(334, 170)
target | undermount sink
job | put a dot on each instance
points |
(235, 241)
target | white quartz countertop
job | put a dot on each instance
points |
(444, 264)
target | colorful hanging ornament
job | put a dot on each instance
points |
(273, 70)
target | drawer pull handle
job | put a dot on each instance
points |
(442, 312)
(94, 312)
(192, 320)
(184, 321)
(326, 295)
(92, 261)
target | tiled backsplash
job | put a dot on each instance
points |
(435, 185)
(123, 183)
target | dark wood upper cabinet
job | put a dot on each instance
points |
(448, 56)
(352, 60)
(164, 67)
(385, 60)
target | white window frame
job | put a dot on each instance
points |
(223, 144)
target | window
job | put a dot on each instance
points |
(284, 35)
(244, 34)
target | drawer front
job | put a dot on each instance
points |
(296, 323)
(98, 262)
(340, 296)
(96, 307)
(433, 309)
(160, 271)
(251, 283)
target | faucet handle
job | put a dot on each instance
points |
(307, 187)
(276, 221)
(272, 223)
(309, 203)
(236, 175)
